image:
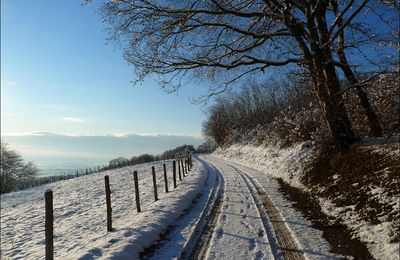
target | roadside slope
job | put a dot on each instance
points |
(289, 164)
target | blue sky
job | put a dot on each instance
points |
(60, 78)
(59, 75)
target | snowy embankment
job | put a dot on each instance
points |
(280, 163)
(288, 164)
(80, 214)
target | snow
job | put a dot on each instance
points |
(280, 163)
(270, 161)
(239, 233)
(184, 231)
(80, 216)
(377, 236)
(310, 240)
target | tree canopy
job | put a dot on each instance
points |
(175, 38)
(223, 41)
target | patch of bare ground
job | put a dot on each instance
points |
(365, 179)
(338, 236)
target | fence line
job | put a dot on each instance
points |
(38, 181)
(49, 217)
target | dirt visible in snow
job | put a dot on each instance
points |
(365, 178)
(337, 235)
(359, 188)
(287, 243)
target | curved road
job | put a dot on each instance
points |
(247, 225)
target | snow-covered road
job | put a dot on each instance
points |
(257, 222)
(240, 223)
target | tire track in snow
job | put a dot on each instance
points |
(240, 231)
(197, 245)
(288, 247)
(151, 251)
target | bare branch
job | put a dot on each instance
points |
(348, 21)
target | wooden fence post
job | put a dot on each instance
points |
(165, 178)
(186, 169)
(183, 165)
(135, 178)
(179, 170)
(153, 172)
(174, 173)
(180, 165)
(108, 202)
(48, 196)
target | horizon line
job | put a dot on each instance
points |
(99, 134)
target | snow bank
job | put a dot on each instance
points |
(281, 163)
(377, 237)
(80, 216)
(288, 164)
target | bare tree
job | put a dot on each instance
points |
(219, 124)
(227, 40)
(207, 147)
(13, 169)
(375, 128)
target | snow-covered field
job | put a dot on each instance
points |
(80, 214)
(80, 211)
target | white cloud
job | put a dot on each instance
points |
(23, 134)
(48, 148)
(56, 107)
(59, 153)
(72, 119)
(98, 134)
(11, 83)
(110, 134)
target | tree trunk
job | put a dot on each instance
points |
(327, 86)
(374, 126)
(337, 119)
(318, 58)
